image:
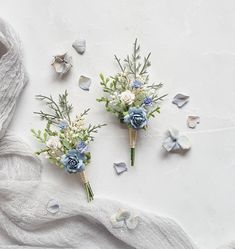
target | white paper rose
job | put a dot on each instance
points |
(53, 143)
(127, 97)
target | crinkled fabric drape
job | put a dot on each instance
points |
(24, 219)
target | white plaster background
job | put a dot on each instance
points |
(193, 52)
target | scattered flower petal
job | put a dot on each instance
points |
(53, 206)
(174, 133)
(84, 83)
(133, 222)
(176, 142)
(180, 100)
(122, 214)
(124, 218)
(120, 167)
(79, 45)
(170, 145)
(192, 121)
(184, 142)
(62, 63)
(115, 223)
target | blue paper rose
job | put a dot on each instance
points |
(136, 117)
(73, 161)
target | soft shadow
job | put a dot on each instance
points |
(62, 78)
(3, 49)
(164, 154)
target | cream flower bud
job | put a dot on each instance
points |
(127, 97)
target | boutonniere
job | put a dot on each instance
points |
(130, 96)
(66, 141)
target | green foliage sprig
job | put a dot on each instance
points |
(59, 111)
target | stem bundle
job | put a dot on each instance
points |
(133, 138)
(87, 186)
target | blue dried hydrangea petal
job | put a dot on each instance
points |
(184, 143)
(123, 214)
(79, 45)
(52, 206)
(84, 83)
(176, 142)
(120, 167)
(124, 218)
(132, 222)
(180, 100)
(169, 144)
(115, 223)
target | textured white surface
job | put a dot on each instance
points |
(193, 52)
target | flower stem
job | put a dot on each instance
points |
(87, 186)
(89, 192)
(132, 156)
(133, 138)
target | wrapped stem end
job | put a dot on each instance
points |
(89, 192)
(132, 156)
(133, 138)
(87, 186)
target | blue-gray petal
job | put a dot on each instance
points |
(180, 100)
(120, 167)
(169, 144)
(79, 45)
(53, 206)
(84, 83)
(132, 222)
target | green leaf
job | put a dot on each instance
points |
(33, 131)
(45, 136)
(66, 144)
(102, 77)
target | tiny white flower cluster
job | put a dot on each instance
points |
(78, 122)
(53, 143)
